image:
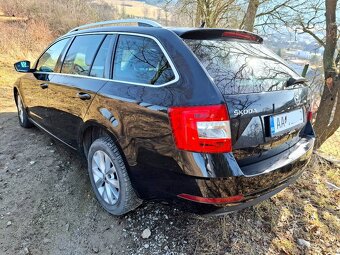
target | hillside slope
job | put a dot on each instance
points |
(138, 9)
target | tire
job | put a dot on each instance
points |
(22, 114)
(109, 178)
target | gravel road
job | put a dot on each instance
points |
(47, 207)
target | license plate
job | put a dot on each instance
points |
(286, 121)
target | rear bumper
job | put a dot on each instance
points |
(253, 201)
(271, 176)
(279, 172)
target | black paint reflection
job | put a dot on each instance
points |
(241, 67)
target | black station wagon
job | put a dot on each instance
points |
(208, 117)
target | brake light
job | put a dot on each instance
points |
(309, 116)
(201, 128)
(241, 35)
(208, 200)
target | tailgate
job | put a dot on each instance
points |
(252, 119)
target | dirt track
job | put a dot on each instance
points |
(47, 207)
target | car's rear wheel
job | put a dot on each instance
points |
(109, 178)
(22, 115)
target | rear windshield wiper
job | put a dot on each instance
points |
(292, 81)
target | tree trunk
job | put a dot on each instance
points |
(328, 115)
(250, 15)
(198, 16)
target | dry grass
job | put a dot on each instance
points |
(59, 16)
(307, 210)
(138, 9)
(332, 146)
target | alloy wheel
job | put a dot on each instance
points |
(20, 109)
(105, 177)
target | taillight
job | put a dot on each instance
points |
(309, 116)
(242, 35)
(201, 128)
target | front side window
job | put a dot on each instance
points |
(49, 59)
(79, 57)
(140, 60)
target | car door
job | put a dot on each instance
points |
(34, 86)
(72, 90)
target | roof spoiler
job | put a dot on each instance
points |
(215, 33)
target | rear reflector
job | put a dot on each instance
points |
(203, 129)
(241, 35)
(310, 116)
(207, 200)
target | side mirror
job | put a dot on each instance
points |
(23, 66)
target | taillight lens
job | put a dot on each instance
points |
(242, 35)
(309, 115)
(201, 128)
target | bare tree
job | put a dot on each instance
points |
(311, 17)
(301, 16)
(215, 13)
(250, 15)
(328, 117)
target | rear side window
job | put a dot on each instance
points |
(241, 67)
(98, 66)
(80, 55)
(49, 59)
(140, 60)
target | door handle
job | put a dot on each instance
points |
(44, 85)
(83, 96)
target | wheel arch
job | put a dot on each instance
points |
(93, 130)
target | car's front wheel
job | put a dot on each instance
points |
(22, 115)
(109, 178)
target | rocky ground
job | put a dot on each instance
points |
(47, 207)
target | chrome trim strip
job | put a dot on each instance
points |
(74, 75)
(35, 115)
(48, 132)
(120, 81)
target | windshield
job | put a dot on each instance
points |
(241, 67)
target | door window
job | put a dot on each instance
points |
(49, 59)
(140, 60)
(79, 57)
(98, 66)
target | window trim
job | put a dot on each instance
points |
(96, 54)
(173, 67)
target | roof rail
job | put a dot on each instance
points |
(140, 22)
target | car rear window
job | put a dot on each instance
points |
(241, 67)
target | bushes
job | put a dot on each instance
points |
(23, 39)
(61, 15)
(44, 21)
